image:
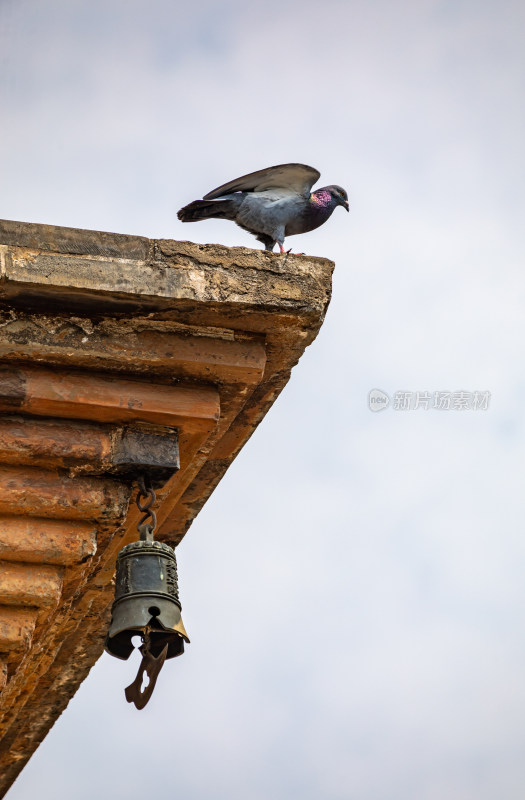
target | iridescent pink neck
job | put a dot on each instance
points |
(321, 198)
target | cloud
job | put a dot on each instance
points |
(353, 589)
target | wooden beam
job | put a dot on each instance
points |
(87, 448)
(105, 399)
(37, 585)
(148, 346)
(41, 493)
(53, 443)
(46, 541)
(16, 628)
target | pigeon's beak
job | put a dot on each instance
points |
(345, 205)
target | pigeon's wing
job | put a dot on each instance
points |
(295, 177)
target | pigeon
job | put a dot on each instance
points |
(271, 203)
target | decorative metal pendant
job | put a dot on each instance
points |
(146, 604)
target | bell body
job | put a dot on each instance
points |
(146, 601)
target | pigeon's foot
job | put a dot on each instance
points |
(289, 252)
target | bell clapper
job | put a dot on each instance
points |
(137, 693)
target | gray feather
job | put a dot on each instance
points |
(299, 178)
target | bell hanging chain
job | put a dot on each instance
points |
(145, 528)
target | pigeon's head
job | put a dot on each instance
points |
(338, 195)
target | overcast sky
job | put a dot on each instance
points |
(354, 588)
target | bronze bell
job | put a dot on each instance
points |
(146, 601)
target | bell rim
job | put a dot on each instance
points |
(115, 628)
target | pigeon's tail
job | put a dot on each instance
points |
(206, 209)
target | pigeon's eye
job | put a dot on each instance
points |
(342, 194)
